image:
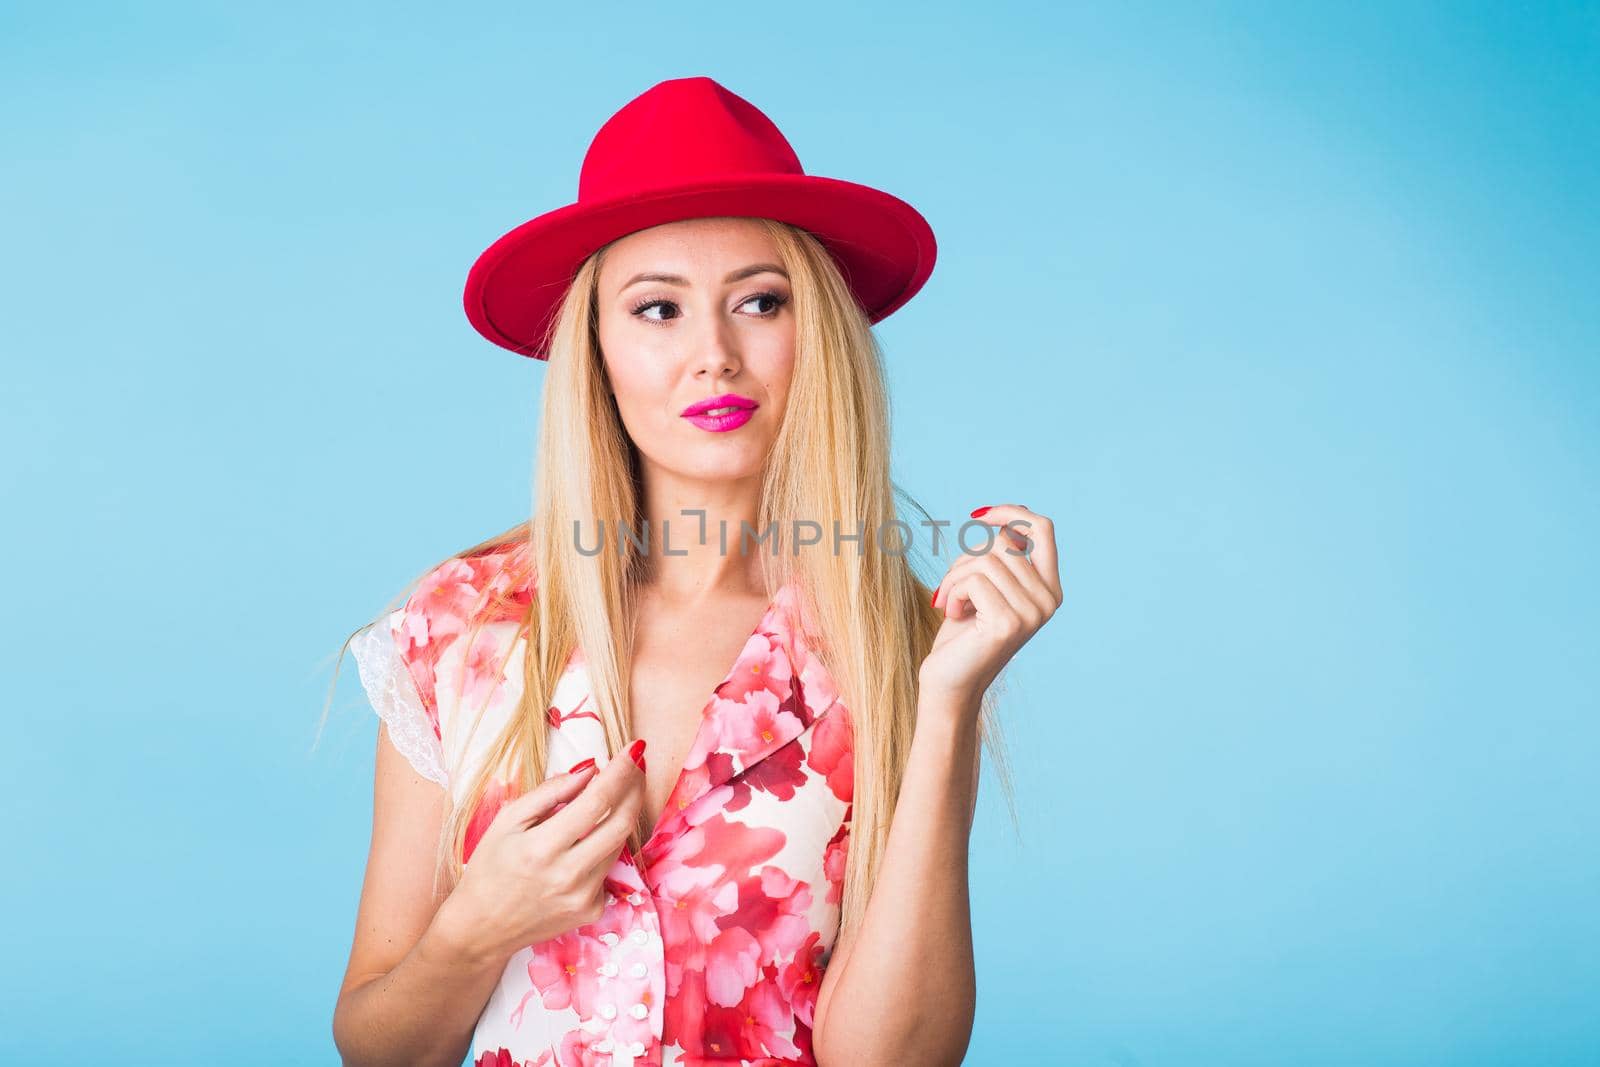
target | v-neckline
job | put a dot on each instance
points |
(703, 723)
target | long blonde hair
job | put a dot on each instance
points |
(874, 621)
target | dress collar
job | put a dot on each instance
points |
(759, 707)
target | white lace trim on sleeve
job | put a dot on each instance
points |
(393, 695)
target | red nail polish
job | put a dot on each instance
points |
(582, 765)
(636, 752)
(979, 511)
(935, 600)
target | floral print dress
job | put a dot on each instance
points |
(712, 947)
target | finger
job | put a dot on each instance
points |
(1016, 533)
(962, 564)
(960, 595)
(1015, 528)
(602, 793)
(979, 590)
(1009, 584)
(1042, 531)
(941, 592)
(599, 849)
(538, 802)
(1023, 585)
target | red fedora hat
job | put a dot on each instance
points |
(688, 148)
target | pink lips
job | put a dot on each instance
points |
(698, 412)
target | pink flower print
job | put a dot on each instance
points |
(694, 780)
(732, 964)
(712, 1035)
(492, 573)
(769, 1018)
(691, 901)
(818, 690)
(683, 1015)
(762, 667)
(481, 669)
(780, 774)
(502, 1058)
(833, 753)
(575, 1050)
(495, 794)
(774, 905)
(751, 726)
(710, 804)
(494, 577)
(555, 716)
(728, 1034)
(444, 600)
(716, 850)
(565, 971)
(800, 979)
(833, 860)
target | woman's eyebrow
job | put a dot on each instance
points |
(679, 280)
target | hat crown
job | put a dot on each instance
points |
(678, 132)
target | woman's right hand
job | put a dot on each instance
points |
(539, 870)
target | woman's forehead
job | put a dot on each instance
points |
(688, 247)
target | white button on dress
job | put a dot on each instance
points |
(638, 970)
(608, 1010)
(640, 937)
(638, 1011)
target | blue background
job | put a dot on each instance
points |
(1286, 313)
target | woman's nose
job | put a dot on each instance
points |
(715, 351)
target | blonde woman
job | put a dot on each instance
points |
(778, 873)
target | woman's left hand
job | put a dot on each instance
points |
(993, 602)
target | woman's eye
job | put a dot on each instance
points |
(773, 299)
(642, 308)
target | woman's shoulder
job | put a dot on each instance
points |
(482, 585)
(485, 585)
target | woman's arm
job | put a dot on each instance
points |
(908, 985)
(902, 988)
(412, 992)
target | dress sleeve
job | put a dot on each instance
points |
(393, 694)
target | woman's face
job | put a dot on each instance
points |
(710, 317)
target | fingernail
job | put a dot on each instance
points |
(636, 752)
(979, 511)
(582, 765)
(935, 600)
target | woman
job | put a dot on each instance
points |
(779, 873)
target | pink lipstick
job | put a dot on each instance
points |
(721, 413)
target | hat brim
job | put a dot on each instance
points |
(884, 247)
